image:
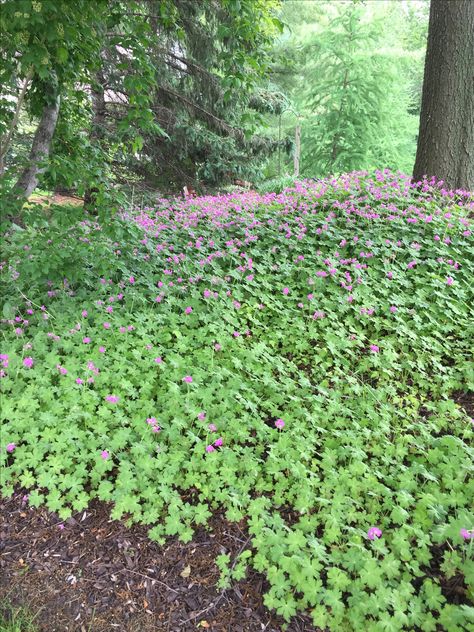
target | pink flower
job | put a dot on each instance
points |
(11, 447)
(374, 532)
(389, 275)
(206, 293)
(201, 416)
(132, 280)
(86, 340)
(106, 325)
(188, 379)
(412, 264)
(236, 334)
(219, 442)
(152, 421)
(374, 348)
(101, 349)
(113, 399)
(188, 310)
(217, 347)
(60, 526)
(79, 381)
(286, 291)
(104, 454)
(28, 362)
(393, 309)
(122, 330)
(449, 280)
(159, 360)
(465, 534)
(210, 448)
(212, 427)
(84, 313)
(280, 424)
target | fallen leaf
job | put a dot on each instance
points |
(186, 572)
(204, 624)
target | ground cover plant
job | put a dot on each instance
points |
(294, 359)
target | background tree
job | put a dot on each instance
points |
(353, 71)
(446, 137)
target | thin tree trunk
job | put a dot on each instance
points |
(28, 180)
(97, 130)
(446, 137)
(6, 139)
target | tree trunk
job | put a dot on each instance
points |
(97, 130)
(28, 180)
(446, 137)
(6, 140)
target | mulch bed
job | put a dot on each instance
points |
(98, 575)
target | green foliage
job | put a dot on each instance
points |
(354, 74)
(14, 619)
(372, 435)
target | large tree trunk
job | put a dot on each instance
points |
(28, 180)
(446, 137)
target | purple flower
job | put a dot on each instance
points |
(374, 532)
(217, 347)
(188, 379)
(79, 381)
(113, 399)
(210, 448)
(280, 424)
(212, 427)
(393, 309)
(218, 442)
(104, 454)
(159, 360)
(11, 447)
(465, 533)
(84, 313)
(106, 325)
(374, 348)
(28, 362)
(201, 416)
(188, 310)
(286, 291)
(86, 340)
(101, 349)
(132, 280)
(449, 280)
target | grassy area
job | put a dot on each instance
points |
(14, 619)
(292, 359)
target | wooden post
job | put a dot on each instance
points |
(296, 161)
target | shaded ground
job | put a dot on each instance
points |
(97, 575)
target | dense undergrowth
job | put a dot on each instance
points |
(292, 359)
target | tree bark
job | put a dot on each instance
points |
(97, 130)
(446, 135)
(28, 180)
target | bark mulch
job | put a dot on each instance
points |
(98, 575)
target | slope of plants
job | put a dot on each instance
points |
(292, 358)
